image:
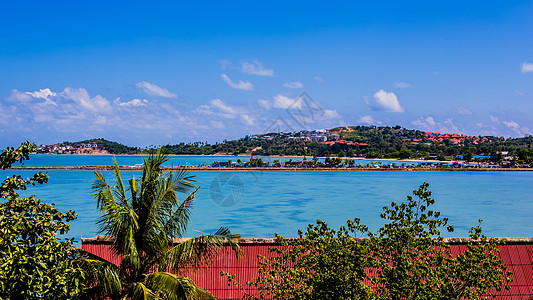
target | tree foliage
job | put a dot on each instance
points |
(407, 258)
(144, 219)
(34, 263)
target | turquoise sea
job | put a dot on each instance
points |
(174, 160)
(261, 203)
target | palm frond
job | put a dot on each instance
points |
(119, 189)
(178, 221)
(197, 252)
(101, 274)
(141, 292)
(118, 218)
(144, 218)
(173, 287)
(185, 182)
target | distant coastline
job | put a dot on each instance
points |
(287, 169)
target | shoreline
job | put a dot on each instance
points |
(265, 156)
(242, 169)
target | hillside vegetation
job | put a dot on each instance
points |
(356, 141)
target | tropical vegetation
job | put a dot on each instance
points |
(407, 258)
(367, 141)
(34, 262)
(147, 222)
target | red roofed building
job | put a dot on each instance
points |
(517, 255)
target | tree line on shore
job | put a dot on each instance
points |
(144, 216)
(367, 141)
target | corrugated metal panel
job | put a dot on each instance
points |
(517, 257)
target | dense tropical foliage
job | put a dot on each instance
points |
(407, 258)
(34, 262)
(370, 142)
(148, 222)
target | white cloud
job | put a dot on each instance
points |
(451, 126)
(368, 120)
(101, 120)
(42, 93)
(479, 125)
(429, 123)
(293, 85)
(494, 119)
(319, 79)
(281, 101)
(402, 85)
(223, 107)
(519, 93)
(463, 111)
(526, 67)
(153, 90)
(264, 103)
(511, 124)
(255, 68)
(81, 97)
(516, 128)
(224, 63)
(387, 101)
(248, 120)
(45, 94)
(241, 85)
(132, 103)
(17, 95)
(424, 122)
(219, 108)
(330, 114)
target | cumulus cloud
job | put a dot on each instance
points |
(429, 123)
(241, 85)
(511, 124)
(494, 119)
(285, 102)
(255, 68)
(318, 79)
(223, 107)
(329, 114)
(132, 103)
(17, 95)
(463, 111)
(516, 128)
(424, 122)
(387, 101)
(402, 85)
(248, 120)
(526, 67)
(264, 103)
(42, 93)
(218, 108)
(368, 120)
(293, 85)
(153, 90)
(81, 97)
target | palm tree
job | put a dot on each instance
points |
(147, 223)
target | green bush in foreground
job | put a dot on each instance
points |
(405, 259)
(34, 263)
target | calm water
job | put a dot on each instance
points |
(259, 204)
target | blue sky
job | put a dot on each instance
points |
(151, 73)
